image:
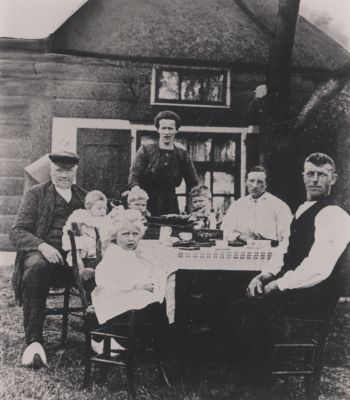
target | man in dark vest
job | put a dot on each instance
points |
(37, 235)
(304, 282)
(308, 274)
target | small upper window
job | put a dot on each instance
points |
(192, 86)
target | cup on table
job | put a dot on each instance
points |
(185, 236)
(164, 234)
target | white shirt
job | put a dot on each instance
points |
(268, 216)
(65, 193)
(332, 235)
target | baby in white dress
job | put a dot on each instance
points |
(83, 223)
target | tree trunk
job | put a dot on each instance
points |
(281, 49)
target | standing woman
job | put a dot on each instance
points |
(159, 168)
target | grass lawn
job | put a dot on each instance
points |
(202, 379)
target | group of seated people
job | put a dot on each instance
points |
(304, 270)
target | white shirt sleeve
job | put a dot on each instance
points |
(284, 219)
(332, 235)
(274, 265)
(229, 222)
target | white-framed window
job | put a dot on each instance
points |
(191, 86)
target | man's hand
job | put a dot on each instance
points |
(245, 237)
(148, 286)
(270, 288)
(257, 284)
(87, 273)
(51, 254)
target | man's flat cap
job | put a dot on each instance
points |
(64, 158)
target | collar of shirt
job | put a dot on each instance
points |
(65, 193)
(263, 197)
(303, 207)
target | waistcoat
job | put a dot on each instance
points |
(301, 240)
(62, 211)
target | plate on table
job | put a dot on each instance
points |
(185, 243)
(236, 243)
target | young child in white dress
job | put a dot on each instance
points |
(83, 223)
(125, 279)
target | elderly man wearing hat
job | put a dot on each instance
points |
(37, 234)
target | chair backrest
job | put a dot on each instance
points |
(77, 276)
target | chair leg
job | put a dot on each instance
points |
(308, 380)
(64, 332)
(130, 360)
(88, 352)
(316, 381)
(107, 356)
(159, 356)
(318, 362)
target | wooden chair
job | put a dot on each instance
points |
(124, 330)
(300, 353)
(65, 294)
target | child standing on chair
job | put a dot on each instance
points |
(125, 279)
(137, 200)
(83, 222)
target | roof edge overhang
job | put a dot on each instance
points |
(39, 45)
(240, 67)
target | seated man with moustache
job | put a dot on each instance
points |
(37, 235)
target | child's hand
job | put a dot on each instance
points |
(87, 273)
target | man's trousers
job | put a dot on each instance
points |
(38, 276)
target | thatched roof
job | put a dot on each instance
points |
(312, 47)
(217, 31)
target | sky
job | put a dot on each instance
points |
(34, 19)
(338, 13)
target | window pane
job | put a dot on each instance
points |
(204, 178)
(182, 203)
(181, 189)
(213, 88)
(168, 85)
(190, 88)
(225, 150)
(182, 143)
(222, 203)
(200, 149)
(223, 183)
(147, 138)
(207, 180)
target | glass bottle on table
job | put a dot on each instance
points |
(212, 219)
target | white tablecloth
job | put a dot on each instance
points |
(206, 258)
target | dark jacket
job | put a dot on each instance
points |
(32, 223)
(159, 172)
